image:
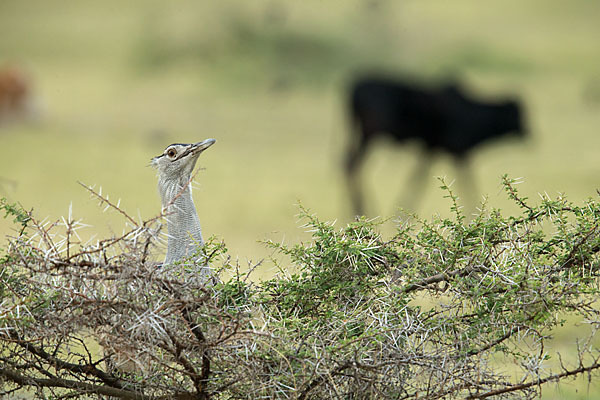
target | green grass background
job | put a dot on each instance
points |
(116, 82)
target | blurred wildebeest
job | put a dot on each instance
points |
(442, 118)
(15, 93)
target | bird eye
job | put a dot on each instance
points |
(171, 153)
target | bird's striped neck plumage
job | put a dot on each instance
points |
(175, 168)
(185, 233)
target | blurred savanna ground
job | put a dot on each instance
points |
(115, 82)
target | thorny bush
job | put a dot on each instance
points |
(440, 310)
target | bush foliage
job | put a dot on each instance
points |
(446, 308)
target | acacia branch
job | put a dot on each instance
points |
(87, 369)
(493, 343)
(321, 378)
(205, 369)
(109, 203)
(441, 277)
(24, 381)
(523, 386)
(187, 365)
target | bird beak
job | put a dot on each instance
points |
(199, 147)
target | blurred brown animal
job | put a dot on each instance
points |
(15, 93)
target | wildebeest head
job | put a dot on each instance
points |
(513, 119)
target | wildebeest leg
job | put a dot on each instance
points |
(467, 185)
(355, 158)
(413, 192)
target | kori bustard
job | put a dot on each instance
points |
(174, 167)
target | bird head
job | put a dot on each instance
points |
(176, 163)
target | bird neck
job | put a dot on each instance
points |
(184, 232)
